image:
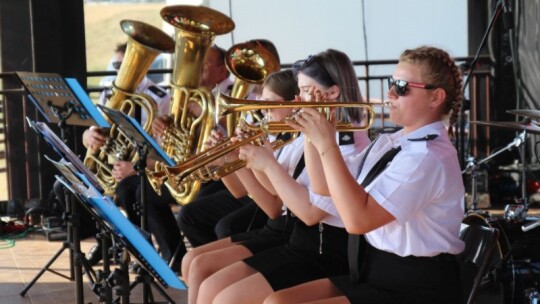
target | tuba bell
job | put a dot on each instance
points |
(250, 63)
(195, 30)
(145, 43)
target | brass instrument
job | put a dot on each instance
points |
(145, 42)
(196, 168)
(195, 29)
(250, 63)
(227, 104)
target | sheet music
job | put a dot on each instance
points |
(133, 130)
(63, 150)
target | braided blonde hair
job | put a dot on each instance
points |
(439, 69)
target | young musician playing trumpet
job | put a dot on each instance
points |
(409, 210)
(317, 245)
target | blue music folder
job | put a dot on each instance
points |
(81, 183)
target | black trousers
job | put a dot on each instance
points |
(216, 214)
(161, 222)
(88, 226)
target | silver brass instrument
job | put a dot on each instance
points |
(145, 43)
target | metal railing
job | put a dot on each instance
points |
(374, 89)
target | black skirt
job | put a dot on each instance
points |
(304, 258)
(387, 278)
(276, 232)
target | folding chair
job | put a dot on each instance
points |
(476, 259)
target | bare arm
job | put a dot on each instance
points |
(270, 203)
(359, 211)
(294, 195)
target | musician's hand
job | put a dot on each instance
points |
(160, 124)
(195, 109)
(216, 136)
(122, 169)
(317, 129)
(93, 138)
(257, 158)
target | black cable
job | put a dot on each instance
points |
(231, 16)
(364, 29)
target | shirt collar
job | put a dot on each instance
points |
(400, 139)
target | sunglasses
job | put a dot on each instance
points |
(401, 86)
(116, 64)
(300, 64)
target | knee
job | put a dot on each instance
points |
(199, 269)
(275, 298)
(186, 263)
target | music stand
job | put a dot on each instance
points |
(123, 230)
(146, 147)
(64, 102)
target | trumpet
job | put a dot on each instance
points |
(197, 167)
(227, 105)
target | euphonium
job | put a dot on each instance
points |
(250, 63)
(145, 42)
(195, 30)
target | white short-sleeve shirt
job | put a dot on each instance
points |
(326, 203)
(155, 92)
(422, 188)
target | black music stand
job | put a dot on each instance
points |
(64, 102)
(146, 147)
(85, 187)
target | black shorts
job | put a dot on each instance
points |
(388, 278)
(300, 260)
(276, 232)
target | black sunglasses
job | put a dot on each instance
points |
(116, 64)
(300, 64)
(401, 85)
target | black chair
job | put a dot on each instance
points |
(478, 257)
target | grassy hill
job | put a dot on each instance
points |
(103, 32)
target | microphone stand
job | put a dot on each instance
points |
(473, 166)
(471, 69)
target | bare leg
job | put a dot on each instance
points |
(190, 255)
(307, 292)
(208, 263)
(251, 290)
(336, 300)
(221, 279)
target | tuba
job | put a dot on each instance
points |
(145, 42)
(195, 30)
(250, 63)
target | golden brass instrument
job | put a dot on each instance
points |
(197, 167)
(227, 104)
(195, 30)
(145, 43)
(250, 63)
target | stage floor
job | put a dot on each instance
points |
(21, 262)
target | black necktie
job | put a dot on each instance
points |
(357, 243)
